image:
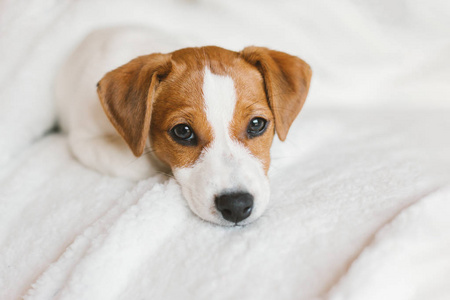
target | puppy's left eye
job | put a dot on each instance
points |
(256, 127)
(183, 134)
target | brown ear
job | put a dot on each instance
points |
(126, 94)
(286, 80)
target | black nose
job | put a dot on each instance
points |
(235, 207)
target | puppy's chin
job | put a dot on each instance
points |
(217, 219)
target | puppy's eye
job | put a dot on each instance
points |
(256, 127)
(183, 134)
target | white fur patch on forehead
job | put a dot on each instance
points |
(219, 94)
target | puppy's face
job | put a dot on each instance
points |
(211, 115)
(213, 125)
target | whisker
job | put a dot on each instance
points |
(166, 174)
(283, 108)
(257, 101)
(147, 152)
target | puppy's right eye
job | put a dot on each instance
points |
(183, 134)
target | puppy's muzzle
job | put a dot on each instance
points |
(235, 207)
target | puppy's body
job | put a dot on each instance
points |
(92, 138)
(208, 114)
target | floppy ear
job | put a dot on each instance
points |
(126, 94)
(286, 80)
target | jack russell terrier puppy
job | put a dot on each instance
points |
(208, 114)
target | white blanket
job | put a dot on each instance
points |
(360, 190)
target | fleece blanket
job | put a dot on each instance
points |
(360, 191)
(359, 209)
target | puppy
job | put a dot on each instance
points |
(208, 114)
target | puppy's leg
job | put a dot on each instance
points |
(110, 155)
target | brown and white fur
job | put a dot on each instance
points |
(216, 92)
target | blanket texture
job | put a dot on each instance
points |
(70, 233)
(360, 191)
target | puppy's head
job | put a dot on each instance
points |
(211, 115)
